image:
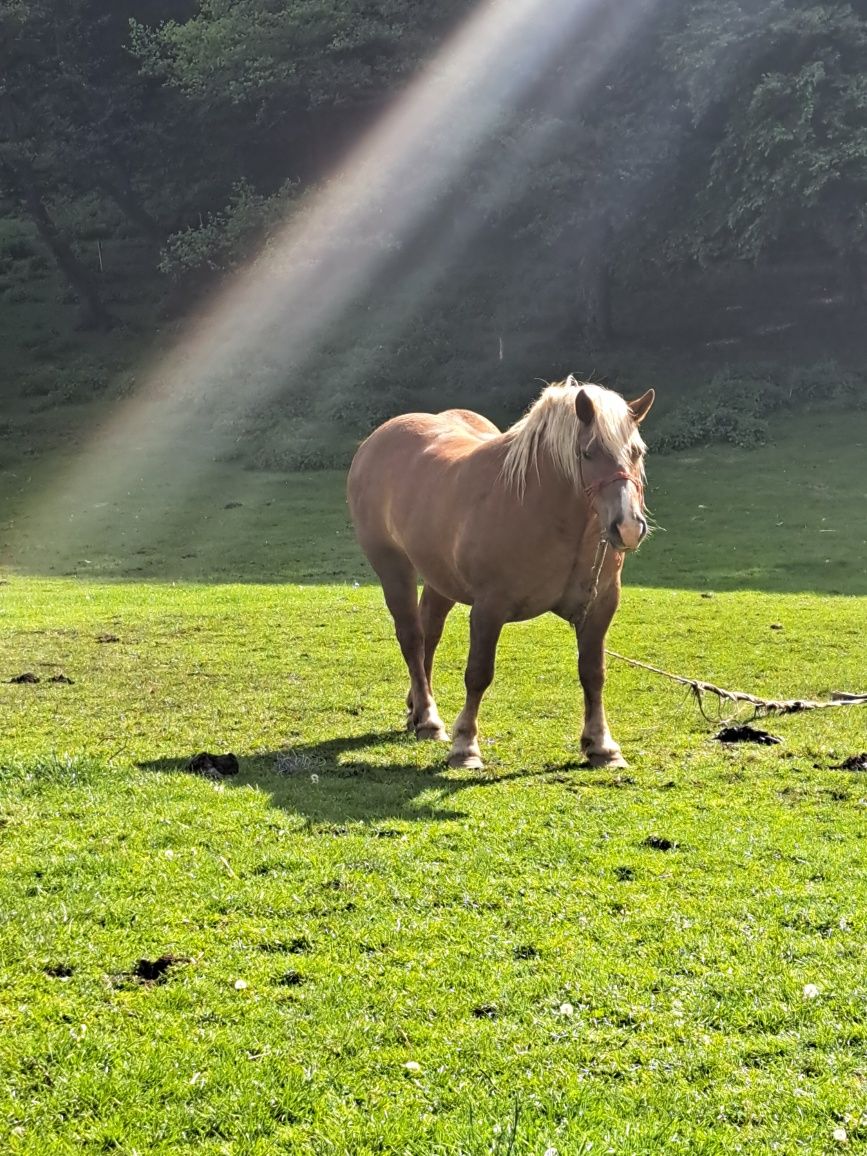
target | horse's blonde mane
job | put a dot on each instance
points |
(551, 426)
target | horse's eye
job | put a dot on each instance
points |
(636, 454)
(587, 454)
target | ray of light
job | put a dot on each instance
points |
(265, 324)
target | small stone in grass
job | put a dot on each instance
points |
(810, 991)
(412, 1066)
(566, 1010)
(240, 984)
(840, 1136)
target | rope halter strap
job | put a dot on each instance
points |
(595, 488)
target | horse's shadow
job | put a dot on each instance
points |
(328, 783)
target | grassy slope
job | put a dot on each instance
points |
(383, 910)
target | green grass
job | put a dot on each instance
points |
(383, 910)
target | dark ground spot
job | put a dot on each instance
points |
(61, 677)
(746, 734)
(854, 763)
(291, 979)
(107, 638)
(213, 766)
(26, 677)
(485, 1011)
(232, 505)
(624, 874)
(155, 970)
(659, 843)
(59, 970)
(299, 945)
(526, 951)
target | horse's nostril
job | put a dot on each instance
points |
(643, 527)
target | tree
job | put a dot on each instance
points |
(71, 121)
(777, 91)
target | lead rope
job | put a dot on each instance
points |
(762, 707)
(598, 563)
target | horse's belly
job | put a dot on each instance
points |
(436, 572)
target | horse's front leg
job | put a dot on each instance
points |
(485, 628)
(596, 741)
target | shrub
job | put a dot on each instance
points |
(735, 406)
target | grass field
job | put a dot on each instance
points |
(376, 954)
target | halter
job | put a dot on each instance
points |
(594, 489)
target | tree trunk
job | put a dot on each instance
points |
(94, 315)
(132, 208)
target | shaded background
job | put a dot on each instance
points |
(236, 236)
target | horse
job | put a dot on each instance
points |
(514, 524)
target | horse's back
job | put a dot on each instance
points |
(472, 420)
(398, 446)
(404, 466)
(413, 432)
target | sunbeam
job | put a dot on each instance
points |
(265, 326)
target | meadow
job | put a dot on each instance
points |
(375, 954)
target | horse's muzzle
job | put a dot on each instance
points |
(627, 535)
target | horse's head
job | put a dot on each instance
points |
(612, 468)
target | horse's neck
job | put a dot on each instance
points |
(551, 496)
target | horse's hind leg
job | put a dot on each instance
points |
(433, 611)
(401, 597)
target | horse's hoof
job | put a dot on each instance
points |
(607, 759)
(465, 761)
(434, 733)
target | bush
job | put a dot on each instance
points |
(735, 406)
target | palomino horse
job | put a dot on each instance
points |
(514, 524)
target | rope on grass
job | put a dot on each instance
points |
(762, 707)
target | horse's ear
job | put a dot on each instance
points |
(641, 406)
(584, 407)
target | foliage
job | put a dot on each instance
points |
(737, 404)
(178, 136)
(777, 90)
(226, 238)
